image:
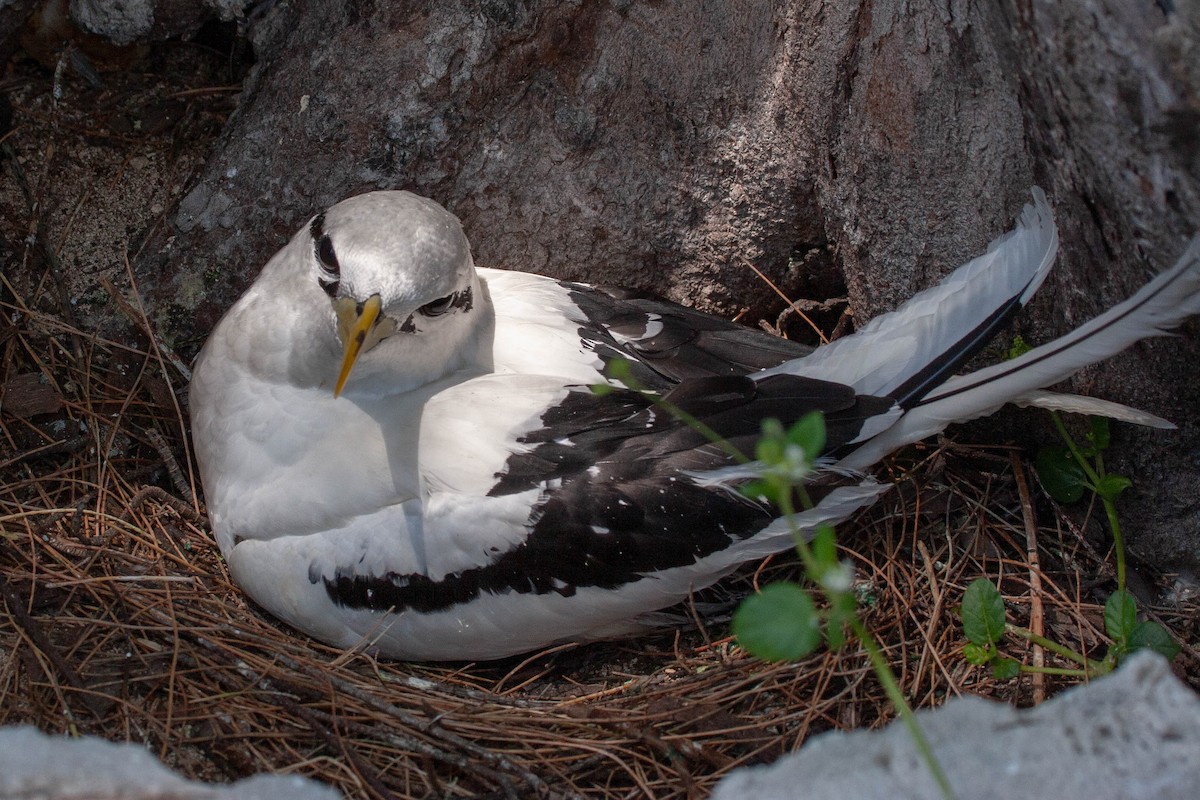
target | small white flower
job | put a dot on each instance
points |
(838, 578)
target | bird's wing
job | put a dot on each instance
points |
(675, 342)
(575, 330)
(588, 491)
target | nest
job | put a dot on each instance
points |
(118, 619)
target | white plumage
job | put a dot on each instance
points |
(402, 451)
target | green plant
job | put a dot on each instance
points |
(1067, 473)
(782, 622)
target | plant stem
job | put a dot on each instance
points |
(700, 428)
(1069, 671)
(1074, 448)
(892, 688)
(1053, 647)
(883, 670)
(1110, 508)
(787, 510)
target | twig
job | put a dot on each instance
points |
(791, 306)
(39, 640)
(460, 692)
(674, 755)
(460, 762)
(417, 723)
(160, 351)
(337, 744)
(173, 470)
(147, 493)
(282, 690)
(1036, 612)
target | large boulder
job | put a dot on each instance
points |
(1132, 736)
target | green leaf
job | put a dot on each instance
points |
(809, 433)
(824, 546)
(1019, 348)
(841, 615)
(1099, 435)
(978, 654)
(1149, 635)
(780, 623)
(1120, 615)
(1005, 669)
(1112, 485)
(983, 612)
(619, 369)
(835, 633)
(1060, 474)
(760, 489)
(601, 389)
(768, 451)
(770, 446)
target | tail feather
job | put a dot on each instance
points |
(1078, 404)
(911, 350)
(1160, 305)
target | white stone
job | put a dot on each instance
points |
(1134, 735)
(35, 765)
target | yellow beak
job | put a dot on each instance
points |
(355, 322)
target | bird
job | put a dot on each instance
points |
(405, 453)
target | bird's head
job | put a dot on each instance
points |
(397, 271)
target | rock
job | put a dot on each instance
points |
(35, 765)
(128, 21)
(121, 23)
(1134, 735)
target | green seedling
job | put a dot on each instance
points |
(1068, 473)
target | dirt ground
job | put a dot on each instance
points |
(118, 618)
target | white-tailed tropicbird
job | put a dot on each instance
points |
(401, 450)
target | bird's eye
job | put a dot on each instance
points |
(437, 307)
(327, 256)
(331, 271)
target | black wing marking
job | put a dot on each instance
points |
(618, 504)
(670, 342)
